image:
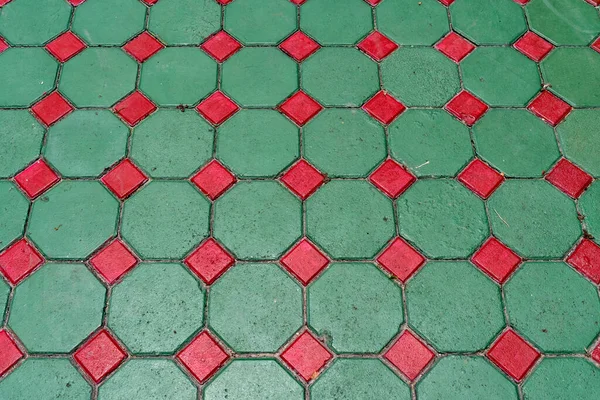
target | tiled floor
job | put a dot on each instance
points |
(299, 199)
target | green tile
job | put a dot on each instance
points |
(57, 307)
(443, 218)
(563, 379)
(86, 143)
(259, 76)
(73, 219)
(109, 21)
(579, 136)
(188, 14)
(20, 140)
(501, 76)
(340, 76)
(98, 77)
(258, 143)
(27, 73)
(420, 76)
(408, 22)
(13, 212)
(359, 379)
(344, 143)
(534, 218)
(45, 379)
(265, 22)
(336, 21)
(257, 220)
(464, 377)
(430, 142)
(156, 308)
(171, 143)
(165, 219)
(356, 307)
(148, 379)
(253, 379)
(516, 142)
(4, 292)
(176, 76)
(589, 204)
(21, 25)
(350, 219)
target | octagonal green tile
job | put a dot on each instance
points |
(589, 203)
(13, 213)
(488, 22)
(579, 136)
(563, 378)
(501, 76)
(4, 292)
(148, 379)
(179, 75)
(336, 21)
(20, 140)
(255, 308)
(196, 20)
(344, 143)
(27, 73)
(165, 219)
(20, 26)
(516, 142)
(172, 144)
(56, 308)
(109, 21)
(98, 77)
(443, 218)
(156, 308)
(350, 219)
(340, 76)
(553, 306)
(54, 378)
(413, 23)
(257, 220)
(253, 379)
(534, 218)
(267, 22)
(356, 307)
(359, 379)
(86, 142)
(73, 219)
(258, 143)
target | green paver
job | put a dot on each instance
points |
(13, 212)
(258, 143)
(251, 23)
(443, 218)
(21, 25)
(257, 220)
(4, 292)
(413, 23)
(20, 140)
(57, 308)
(350, 219)
(156, 308)
(195, 20)
(255, 308)
(563, 379)
(165, 220)
(356, 307)
(171, 144)
(358, 379)
(73, 219)
(534, 218)
(336, 21)
(589, 204)
(579, 136)
(109, 21)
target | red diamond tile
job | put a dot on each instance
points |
(76, 2)
(51, 108)
(203, 356)
(533, 46)
(305, 261)
(36, 179)
(3, 44)
(100, 355)
(569, 178)
(213, 179)
(143, 46)
(377, 46)
(124, 179)
(113, 261)
(221, 46)
(480, 178)
(586, 259)
(209, 261)
(549, 108)
(134, 108)
(595, 3)
(150, 2)
(466, 107)
(391, 178)
(410, 355)
(446, 2)
(65, 46)
(306, 355)
(223, 2)
(9, 352)
(300, 108)
(595, 45)
(522, 2)
(299, 46)
(513, 355)
(455, 47)
(4, 2)
(19, 260)
(595, 354)
(373, 2)
(496, 260)
(401, 259)
(383, 107)
(303, 179)
(217, 108)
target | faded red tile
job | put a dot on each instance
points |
(304, 261)
(569, 178)
(373, 2)
(466, 107)
(223, 2)
(496, 259)
(392, 178)
(595, 354)
(522, 2)
(3, 44)
(217, 108)
(383, 107)
(51, 108)
(143, 46)
(410, 355)
(66, 46)
(480, 178)
(213, 179)
(549, 108)
(100, 355)
(36, 178)
(377, 46)
(595, 45)
(19, 260)
(299, 46)
(303, 179)
(401, 259)
(78, 2)
(586, 259)
(113, 261)
(203, 356)
(513, 355)
(455, 47)
(306, 355)
(150, 2)
(9, 352)
(209, 261)
(221, 46)
(446, 2)
(124, 179)
(134, 108)
(300, 108)
(533, 46)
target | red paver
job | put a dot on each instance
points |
(134, 108)
(143, 46)
(217, 108)
(533, 46)
(410, 355)
(496, 259)
(66, 46)
(114, 261)
(209, 261)
(300, 108)
(19, 260)
(305, 261)
(306, 355)
(377, 46)
(303, 179)
(569, 178)
(203, 356)
(10, 353)
(549, 108)
(480, 178)
(100, 355)
(401, 259)
(299, 46)
(392, 178)
(467, 107)
(213, 179)
(36, 178)
(384, 107)
(455, 47)
(124, 179)
(586, 259)
(221, 46)
(51, 108)
(513, 355)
